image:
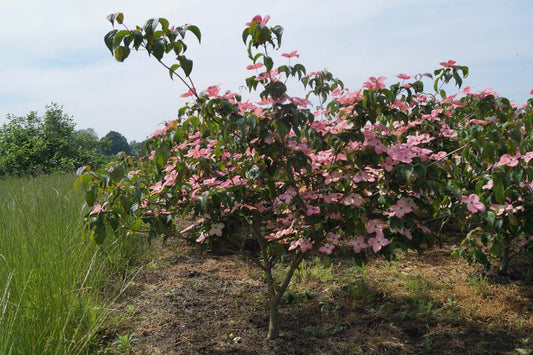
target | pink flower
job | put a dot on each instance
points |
(326, 248)
(216, 229)
(401, 208)
(388, 164)
(531, 92)
(203, 236)
(378, 242)
(260, 20)
(353, 200)
(291, 54)
(300, 102)
(306, 245)
(489, 185)
(448, 64)
(157, 188)
(508, 159)
(527, 157)
(375, 83)
(156, 133)
(315, 73)
(254, 66)
(358, 244)
(472, 203)
(403, 76)
(332, 197)
(407, 234)
(213, 90)
(311, 210)
(191, 92)
(98, 208)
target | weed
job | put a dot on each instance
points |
(314, 330)
(124, 343)
(526, 349)
(417, 284)
(480, 284)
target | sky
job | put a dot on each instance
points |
(54, 51)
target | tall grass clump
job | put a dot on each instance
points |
(51, 281)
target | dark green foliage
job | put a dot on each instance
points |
(114, 143)
(34, 144)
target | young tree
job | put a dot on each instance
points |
(372, 170)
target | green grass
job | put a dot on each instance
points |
(51, 281)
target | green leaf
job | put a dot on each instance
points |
(149, 27)
(120, 18)
(245, 34)
(253, 173)
(164, 24)
(116, 172)
(458, 80)
(282, 128)
(90, 196)
(118, 37)
(161, 155)
(516, 135)
(109, 39)
(269, 63)
(135, 226)
(122, 53)
(489, 216)
(186, 65)
(158, 48)
(99, 235)
(138, 39)
(499, 190)
(83, 181)
(172, 70)
(196, 31)
(277, 89)
(407, 172)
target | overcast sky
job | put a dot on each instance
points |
(53, 50)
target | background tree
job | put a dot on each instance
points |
(137, 148)
(34, 144)
(114, 142)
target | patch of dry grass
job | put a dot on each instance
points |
(193, 303)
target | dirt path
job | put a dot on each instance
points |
(189, 303)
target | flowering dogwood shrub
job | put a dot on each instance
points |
(373, 169)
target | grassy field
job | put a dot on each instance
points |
(51, 281)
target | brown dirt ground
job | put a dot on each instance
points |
(189, 302)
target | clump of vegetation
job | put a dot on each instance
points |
(51, 282)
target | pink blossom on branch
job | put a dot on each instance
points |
(291, 54)
(448, 64)
(401, 208)
(472, 203)
(403, 76)
(508, 159)
(358, 244)
(374, 83)
(260, 20)
(378, 242)
(255, 66)
(216, 229)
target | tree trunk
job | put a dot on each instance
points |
(273, 324)
(505, 255)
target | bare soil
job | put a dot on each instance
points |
(189, 302)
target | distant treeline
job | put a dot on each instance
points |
(42, 144)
